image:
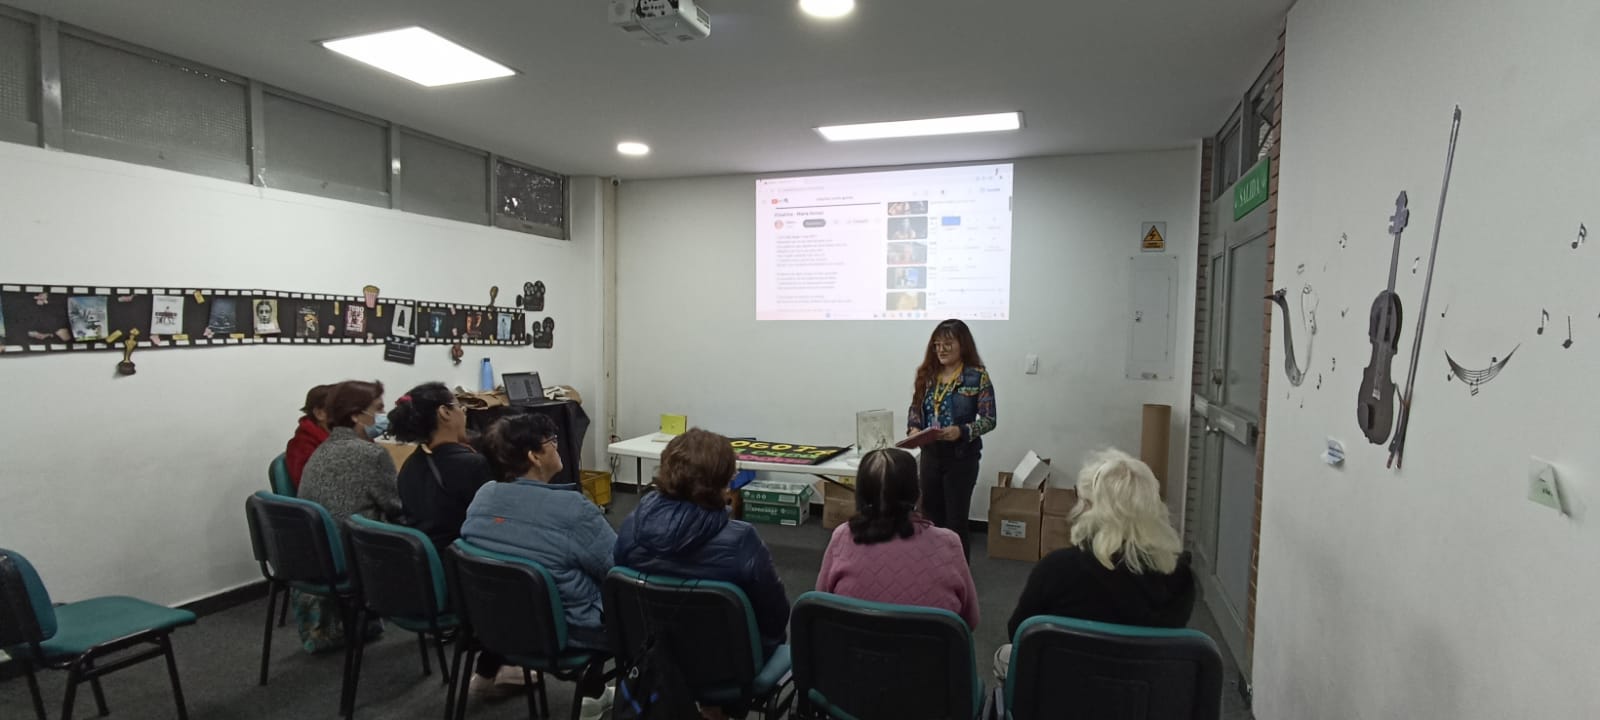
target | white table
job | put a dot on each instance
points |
(645, 447)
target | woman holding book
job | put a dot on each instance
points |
(952, 407)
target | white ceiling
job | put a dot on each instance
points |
(1088, 75)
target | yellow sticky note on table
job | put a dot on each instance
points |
(199, 298)
(674, 424)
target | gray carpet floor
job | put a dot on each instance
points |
(218, 658)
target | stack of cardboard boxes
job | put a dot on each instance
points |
(1027, 514)
(777, 502)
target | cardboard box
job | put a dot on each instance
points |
(1055, 529)
(1013, 521)
(1155, 441)
(838, 505)
(778, 492)
(399, 452)
(1032, 471)
(776, 514)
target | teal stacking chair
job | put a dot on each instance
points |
(297, 545)
(89, 638)
(860, 660)
(399, 578)
(510, 606)
(1063, 668)
(278, 477)
(708, 628)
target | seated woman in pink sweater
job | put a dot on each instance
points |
(889, 553)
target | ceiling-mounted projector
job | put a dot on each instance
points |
(663, 22)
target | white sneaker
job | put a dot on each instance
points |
(596, 708)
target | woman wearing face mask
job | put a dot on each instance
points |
(953, 396)
(348, 474)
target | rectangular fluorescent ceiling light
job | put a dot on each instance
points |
(993, 122)
(420, 56)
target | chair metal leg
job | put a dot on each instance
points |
(283, 610)
(451, 679)
(74, 671)
(266, 635)
(172, 672)
(422, 644)
(438, 647)
(33, 690)
(463, 684)
(577, 699)
(94, 686)
(532, 693)
(353, 646)
(544, 695)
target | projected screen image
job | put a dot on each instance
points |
(895, 245)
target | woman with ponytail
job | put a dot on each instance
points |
(889, 553)
(439, 480)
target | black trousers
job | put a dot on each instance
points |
(947, 473)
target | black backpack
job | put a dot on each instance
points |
(652, 688)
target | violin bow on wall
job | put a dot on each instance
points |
(1397, 446)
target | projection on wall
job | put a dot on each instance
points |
(897, 245)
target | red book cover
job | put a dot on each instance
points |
(919, 439)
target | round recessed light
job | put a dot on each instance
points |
(633, 148)
(827, 9)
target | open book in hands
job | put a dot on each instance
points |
(920, 438)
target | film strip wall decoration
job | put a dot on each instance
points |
(41, 318)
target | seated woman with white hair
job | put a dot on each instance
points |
(1126, 564)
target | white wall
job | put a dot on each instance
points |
(689, 341)
(1438, 591)
(136, 485)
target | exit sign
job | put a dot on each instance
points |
(1251, 190)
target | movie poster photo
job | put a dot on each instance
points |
(266, 314)
(166, 315)
(224, 317)
(309, 320)
(355, 320)
(87, 316)
(402, 320)
(474, 324)
(502, 328)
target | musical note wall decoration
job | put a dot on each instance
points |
(1544, 317)
(1478, 378)
(1568, 343)
(1583, 236)
(1344, 240)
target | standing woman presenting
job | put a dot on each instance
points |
(953, 395)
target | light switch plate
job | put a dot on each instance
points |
(1543, 487)
(1031, 363)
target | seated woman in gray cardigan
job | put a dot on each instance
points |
(347, 474)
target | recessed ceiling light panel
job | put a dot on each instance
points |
(993, 122)
(420, 56)
(827, 9)
(633, 148)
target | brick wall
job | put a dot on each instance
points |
(1202, 307)
(1274, 143)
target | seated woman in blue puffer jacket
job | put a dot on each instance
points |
(683, 530)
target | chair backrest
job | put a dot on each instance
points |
(510, 603)
(869, 660)
(278, 477)
(26, 614)
(295, 540)
(706, 626)
(1069, 668)
(398, 570)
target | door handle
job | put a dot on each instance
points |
(1216, 377)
